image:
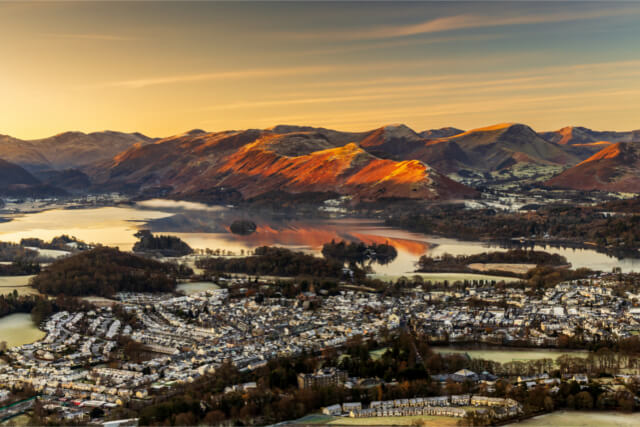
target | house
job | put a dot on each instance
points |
(581, 378)
(332, 409)
(322, 378)
(464, 375)
(348, 407)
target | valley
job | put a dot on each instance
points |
(134, 256)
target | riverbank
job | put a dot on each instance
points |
(441, 277)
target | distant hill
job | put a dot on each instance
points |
(77, 149)
(22, 153)
(584, 142)
(451, 150)
(614, 168)
(504, 145)
(71, 180)
(12, 174)
(68, 149)
(288, 162)
(257, 162)
(15, 181)
(572, 135)
(393, 140)
(440, 133)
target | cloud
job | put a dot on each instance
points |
(398, 43)
(219, 75)
(294, 101)
(463, 22)
(289, 71)
(90, 36)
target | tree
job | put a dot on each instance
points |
(96, 413)
(186, 419)
(583, 400)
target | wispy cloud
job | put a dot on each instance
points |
(90, 36)
(398, 43)
(294, 101)
(463, 22)
(219, 75)
(294, 71)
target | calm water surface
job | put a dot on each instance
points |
(207, 227)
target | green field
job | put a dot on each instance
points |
(511, 355)
(583, 419)
(377, 354)
(426, 420)
(19, 283)
(18, 328)
(441, 277)
(319, 419)
(18, 421)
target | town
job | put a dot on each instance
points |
(136, 349)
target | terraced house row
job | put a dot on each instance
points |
(450, 406)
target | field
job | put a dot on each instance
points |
(18, 328)
(511, 268)
(510, 355)
(100, 301)
(441, 277)
(19, 283)
(583, 419)
(377, 354)
(319, 419)
(426, 420)
(19, 421)
(195, 287)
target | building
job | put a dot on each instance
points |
(349, 407)
(322, 378)
(332, 410)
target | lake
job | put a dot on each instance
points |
(203, 226)
(583, 419)
(509, 354)
(18, 329)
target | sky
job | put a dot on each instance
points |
(162, 68)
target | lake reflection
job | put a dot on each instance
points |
(206, 227)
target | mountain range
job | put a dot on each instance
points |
(390, 162)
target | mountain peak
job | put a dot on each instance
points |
(284, 128)
(440, 133)
(614, 168)
(399, 130)
(498, 126)
(610, 152)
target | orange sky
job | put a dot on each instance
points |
(163, 68)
